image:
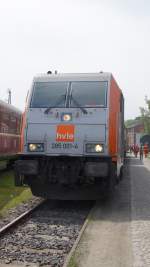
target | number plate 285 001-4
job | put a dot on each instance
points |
(64, 146)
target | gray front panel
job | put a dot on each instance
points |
(82, 134)
(88, 128)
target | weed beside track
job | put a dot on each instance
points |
(11, 196)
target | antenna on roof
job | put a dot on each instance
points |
(49, 72)
(9, 96)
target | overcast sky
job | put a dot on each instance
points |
(76, 36)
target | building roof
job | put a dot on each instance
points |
(136, 123)
(9, 107)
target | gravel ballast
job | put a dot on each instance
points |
(47, 236)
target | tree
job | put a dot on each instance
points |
(131, 122)
(145, 115)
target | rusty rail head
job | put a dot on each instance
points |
(16, 221)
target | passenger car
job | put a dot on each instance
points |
(10, 120)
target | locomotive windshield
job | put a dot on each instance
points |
(69, 94)
(49, 94)
(88, 94)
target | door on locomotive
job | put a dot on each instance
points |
(73, 136)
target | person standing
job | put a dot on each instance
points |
(141, 152)
(136, 150)
(146, 150)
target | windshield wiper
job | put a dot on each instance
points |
(78, 105)
(62, 97)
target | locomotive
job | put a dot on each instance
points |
(72, 137)
(10, 120)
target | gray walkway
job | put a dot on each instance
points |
(118, 234)
(140, 215)
(146, 162)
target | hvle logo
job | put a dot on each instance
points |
(65, 133)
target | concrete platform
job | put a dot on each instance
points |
(146, 162)
(118, 233)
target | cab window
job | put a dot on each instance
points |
(88, 94)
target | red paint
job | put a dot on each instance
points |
(65, 133)
(114, 110)
(9, 129)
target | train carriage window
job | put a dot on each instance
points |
(5, 116)
(5, 119)
(89, 94)
(12, 123)
(47, 94)
(18, 125)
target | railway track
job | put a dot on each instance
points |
(18, 219)
(43, 235)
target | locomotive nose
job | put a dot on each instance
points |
(69, 132)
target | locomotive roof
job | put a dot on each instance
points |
(9, 107)
(101, 76)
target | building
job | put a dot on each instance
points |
(134, 133)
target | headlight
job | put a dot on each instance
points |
(36, 147)
(99, 148)
(94, 148)
(66, 117)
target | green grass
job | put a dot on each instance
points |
(72, 262)
(3, 165)
(11, 196)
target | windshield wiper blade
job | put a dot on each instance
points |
(62, 97)
(78, 105)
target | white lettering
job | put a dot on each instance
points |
(64, 136)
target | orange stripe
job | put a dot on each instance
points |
(114, 110)
(23, 124)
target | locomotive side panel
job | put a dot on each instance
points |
(114, 108)
(116, 124)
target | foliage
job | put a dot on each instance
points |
(11, 196)
(145, 115)
(131, 122)
(72, 262)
